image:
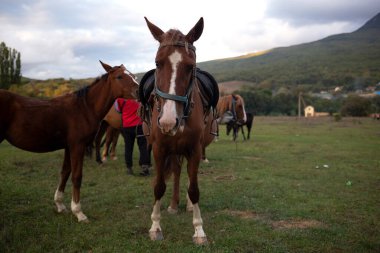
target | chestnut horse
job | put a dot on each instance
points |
(110, 126)
(67, 122)
(235, 127)
(231, 110)
(177, 119)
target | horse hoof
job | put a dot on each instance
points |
(156, 235)
(61, 208)
(82, 218)
(200, 240)
(104, 159)
(206, 160)
(84, 221)
(172, 210)
(114, 158)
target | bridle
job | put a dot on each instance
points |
(185, 100)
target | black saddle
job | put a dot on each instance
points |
(208, 87)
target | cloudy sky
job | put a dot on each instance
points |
(66, 38)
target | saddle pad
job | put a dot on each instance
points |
(208, 87)
(146, 86)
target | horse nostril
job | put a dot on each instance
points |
(176, 123)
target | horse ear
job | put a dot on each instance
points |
(195, 32)
(105, 66)
(154, 30)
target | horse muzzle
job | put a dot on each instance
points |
(168, 127)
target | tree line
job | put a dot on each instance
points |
(10, 66)
(285, 102)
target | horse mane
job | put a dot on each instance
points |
(173, 35)
(82, 92)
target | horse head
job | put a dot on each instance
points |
(123, 83)
(174, 75)
(241, 116)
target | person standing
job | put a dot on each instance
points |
(131, 130)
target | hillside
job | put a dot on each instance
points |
(351, 60)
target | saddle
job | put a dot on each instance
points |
(208, 88)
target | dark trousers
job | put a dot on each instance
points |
(129, 135)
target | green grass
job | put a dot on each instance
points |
(269, 194)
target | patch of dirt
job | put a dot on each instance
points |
(282, 224)
(242, 214)
(232, 86)
(206, 172)
(298, 224)
(225, 178)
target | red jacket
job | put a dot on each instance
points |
(129, 109)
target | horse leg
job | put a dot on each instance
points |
(115, 137)
(189, 204)
(98, 139)
(107, 143)
(155, 232)
(76, 154)
(204, 158)
(199, 236)
(65, 173)
(242, 131)
(173, 207)
(235, 130)
(249, 131)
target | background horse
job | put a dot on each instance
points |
(231, 125)
(231, 110)
(110, 126)
(177, 126)
(67, 122)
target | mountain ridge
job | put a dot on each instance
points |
(347, 59)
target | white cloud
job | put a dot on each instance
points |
(67, 38)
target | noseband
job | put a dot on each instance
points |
(185, 100)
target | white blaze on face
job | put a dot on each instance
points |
(134, 78)
(245, 114)
(169, 114)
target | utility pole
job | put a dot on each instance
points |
(299, 105)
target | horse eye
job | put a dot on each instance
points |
(157, 65)
(119, 77)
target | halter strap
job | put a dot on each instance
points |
(182, 99)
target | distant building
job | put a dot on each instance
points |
(309, 111)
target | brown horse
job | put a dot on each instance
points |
(109, 142)
(231, 110)
(235, 127)
(67, 122)
(177, 121)
(110, 126)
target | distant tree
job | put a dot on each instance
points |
(10, 66)
(285, 104)
(376, 104)
(356, 106)
(258, 101)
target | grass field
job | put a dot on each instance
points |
(297, 186)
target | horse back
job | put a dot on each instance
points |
(26, 121)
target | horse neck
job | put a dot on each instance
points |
(99, 98)
(223, 106)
